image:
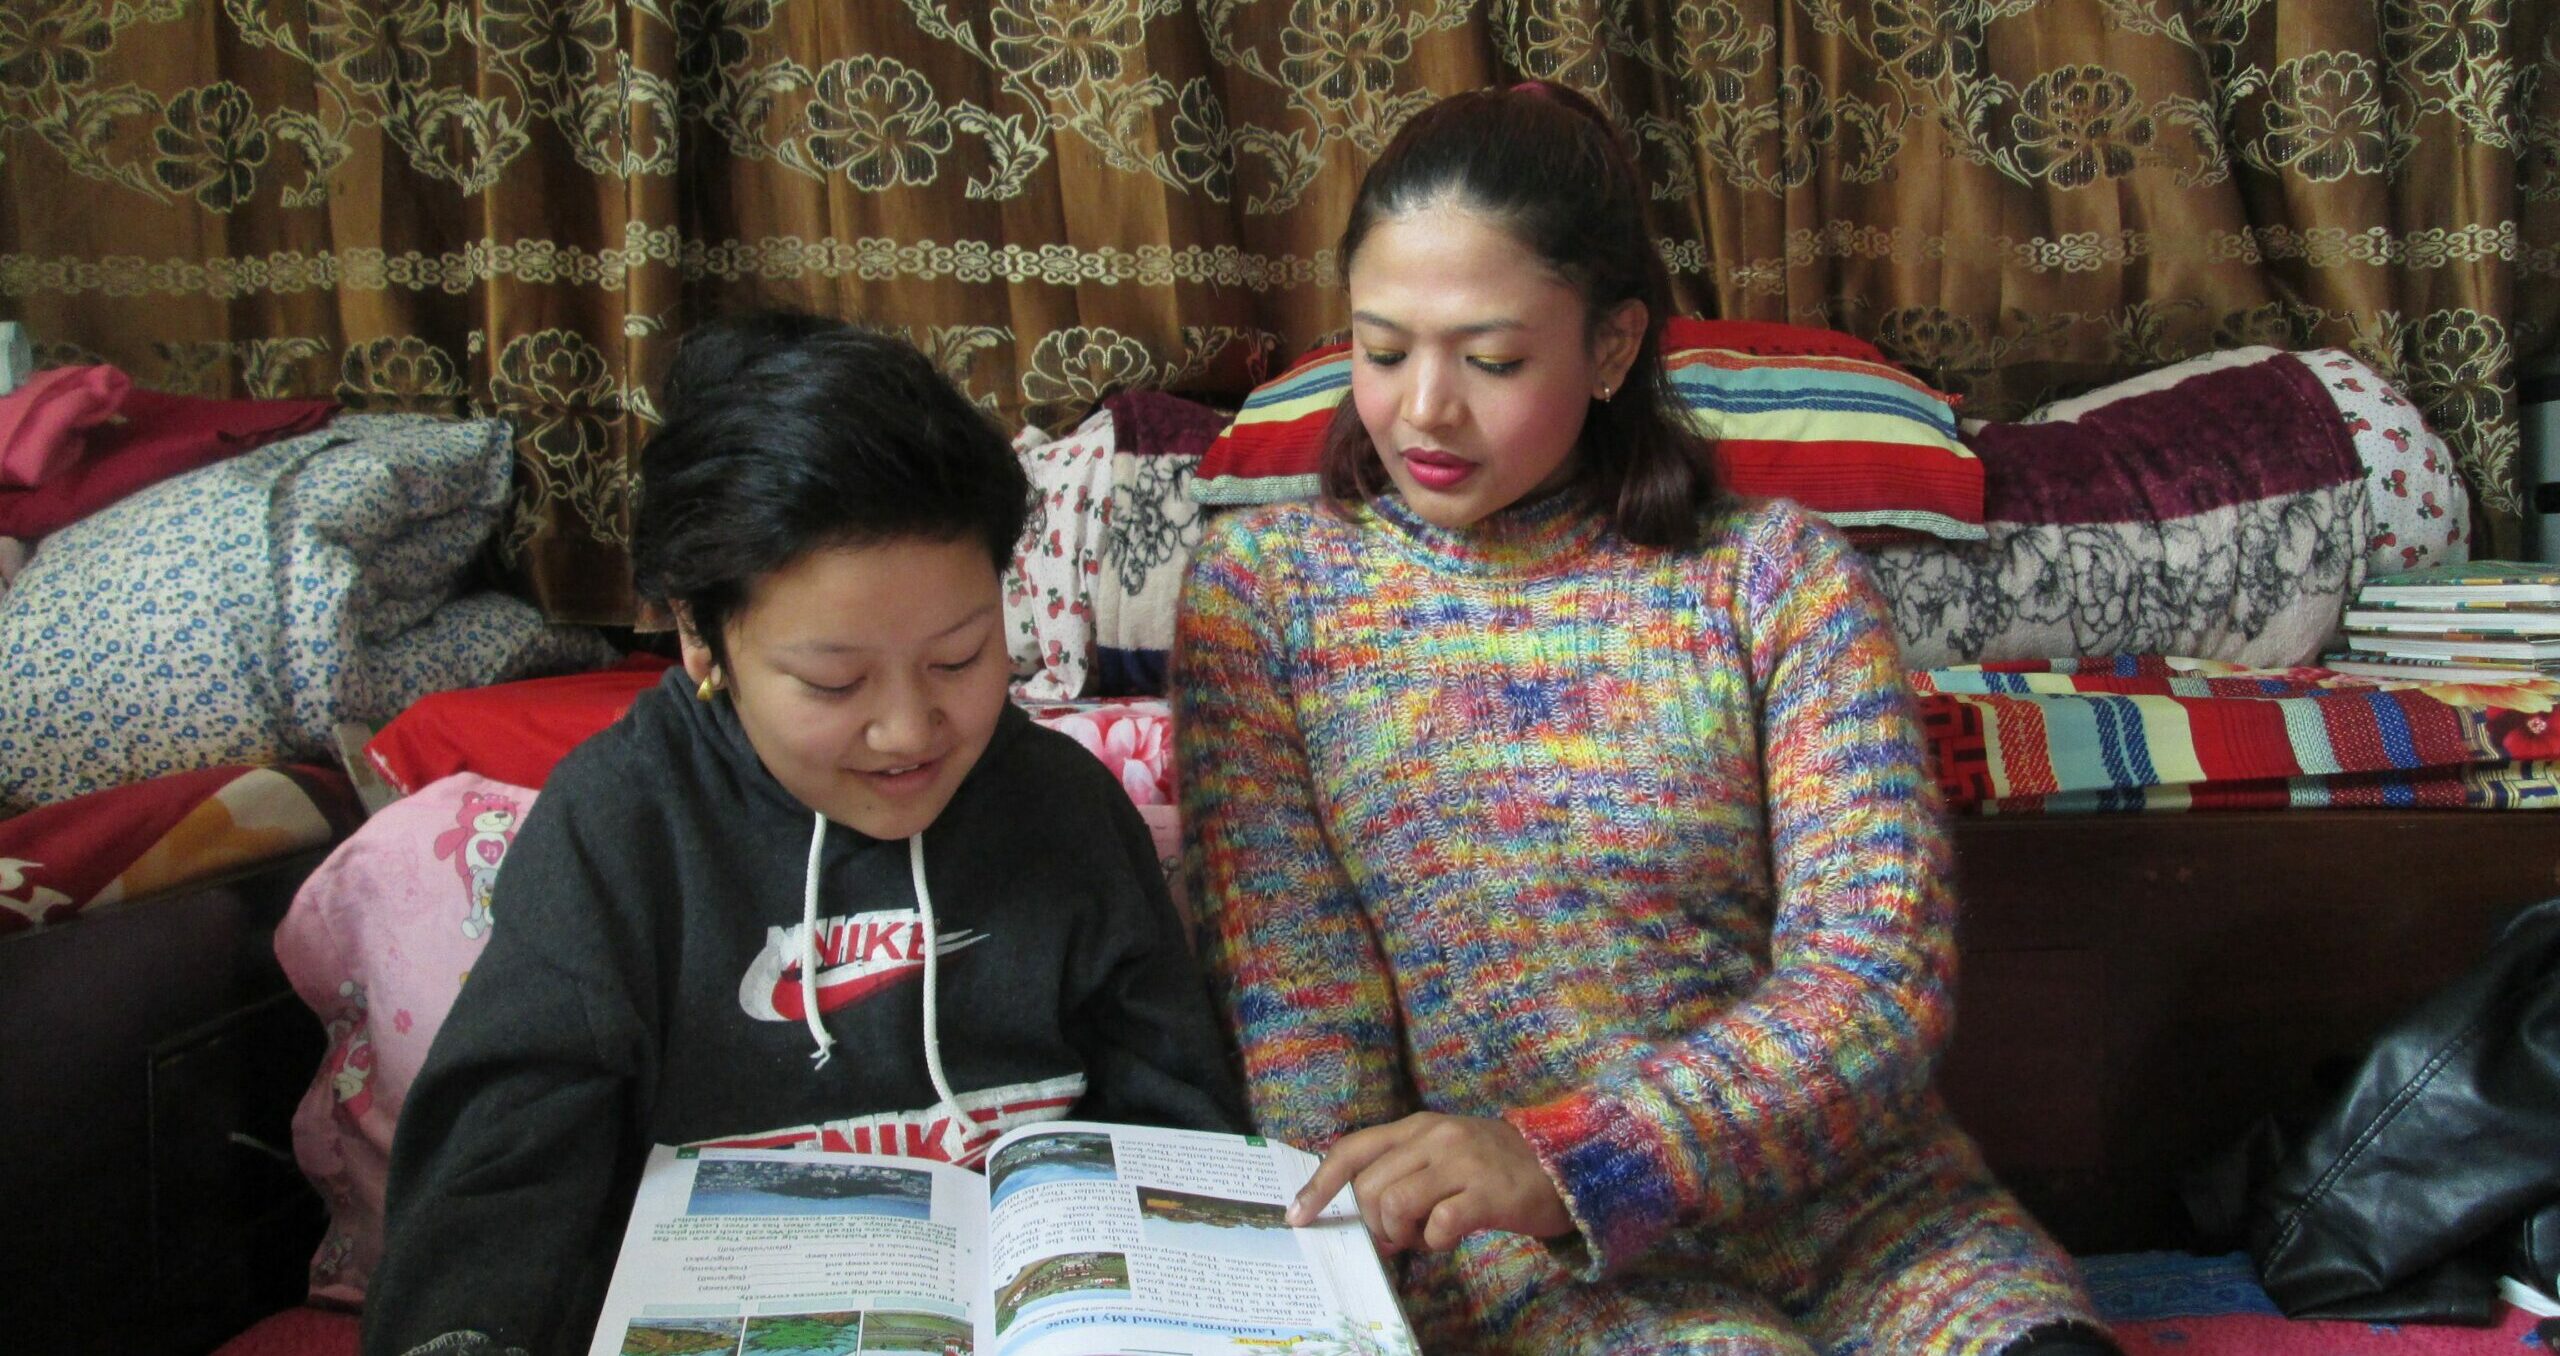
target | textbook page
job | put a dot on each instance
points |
(1172, 1242)
(770, 1251)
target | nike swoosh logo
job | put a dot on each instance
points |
(837, 987)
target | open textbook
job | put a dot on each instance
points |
(1080, 1238)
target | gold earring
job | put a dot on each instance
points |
(709, 685)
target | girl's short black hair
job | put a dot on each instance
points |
(1550, 169)
(788, 433)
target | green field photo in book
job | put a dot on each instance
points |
(1080, 1238)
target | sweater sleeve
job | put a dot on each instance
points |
(513, 1163)
(1795, 1085)
(1144, 1029)
(1293, 963)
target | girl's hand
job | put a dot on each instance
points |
(1429, 1180)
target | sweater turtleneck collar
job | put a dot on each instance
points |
(1536, 536)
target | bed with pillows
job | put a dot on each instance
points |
(2043, 706)
(2109, 607)
(2115, 604)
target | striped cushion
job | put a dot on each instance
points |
(1840, 431)
(1270, 451)
(1861, 443)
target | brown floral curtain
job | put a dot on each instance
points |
(509, 206)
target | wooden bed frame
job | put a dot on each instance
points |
(2137, 991)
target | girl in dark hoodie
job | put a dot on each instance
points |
(824, 887)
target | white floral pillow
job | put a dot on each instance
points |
(1048, 592)
(238, 613)
(1153, 527)
(2421, 510)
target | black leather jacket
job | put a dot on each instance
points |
(2436, 1166)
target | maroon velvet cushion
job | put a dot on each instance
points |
(1147, 423)
(2230, 436)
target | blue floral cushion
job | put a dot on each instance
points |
(237, 613)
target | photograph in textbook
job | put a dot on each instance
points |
(1079, 1238)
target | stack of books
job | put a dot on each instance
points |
(2486, 620)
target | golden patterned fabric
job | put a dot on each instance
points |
(509, 206)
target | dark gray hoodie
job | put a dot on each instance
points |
(649, 982)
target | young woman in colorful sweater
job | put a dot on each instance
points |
(1566, 862)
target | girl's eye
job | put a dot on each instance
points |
(1382, 357)
(1495, 367)
(963, 665)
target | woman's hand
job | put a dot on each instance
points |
(1429, 1180)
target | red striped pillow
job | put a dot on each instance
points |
(1808, 415)
(1269, 452)
(1861, 443)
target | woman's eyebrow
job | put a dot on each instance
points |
(831, 647)
(1372, 318)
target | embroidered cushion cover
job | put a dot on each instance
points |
(2225, 517)
(2421, 508)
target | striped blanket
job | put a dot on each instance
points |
(2136, 733)
(2149, 733)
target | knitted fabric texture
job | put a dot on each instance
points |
(1635, 848)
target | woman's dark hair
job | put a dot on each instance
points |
(789, 433)
(1553, 172)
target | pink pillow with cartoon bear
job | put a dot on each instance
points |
(378, 942)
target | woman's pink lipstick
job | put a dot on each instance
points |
(1436, 470)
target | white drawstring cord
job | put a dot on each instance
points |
(809, 947)
(956, 1124)
(955, 1129)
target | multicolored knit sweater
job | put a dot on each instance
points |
(1633, 847)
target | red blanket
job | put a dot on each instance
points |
(160, 436)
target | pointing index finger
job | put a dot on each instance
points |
(1349, 1155)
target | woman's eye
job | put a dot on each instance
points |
(831, 690)
(1382, 357)
(962, 665)
(1497, 367)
